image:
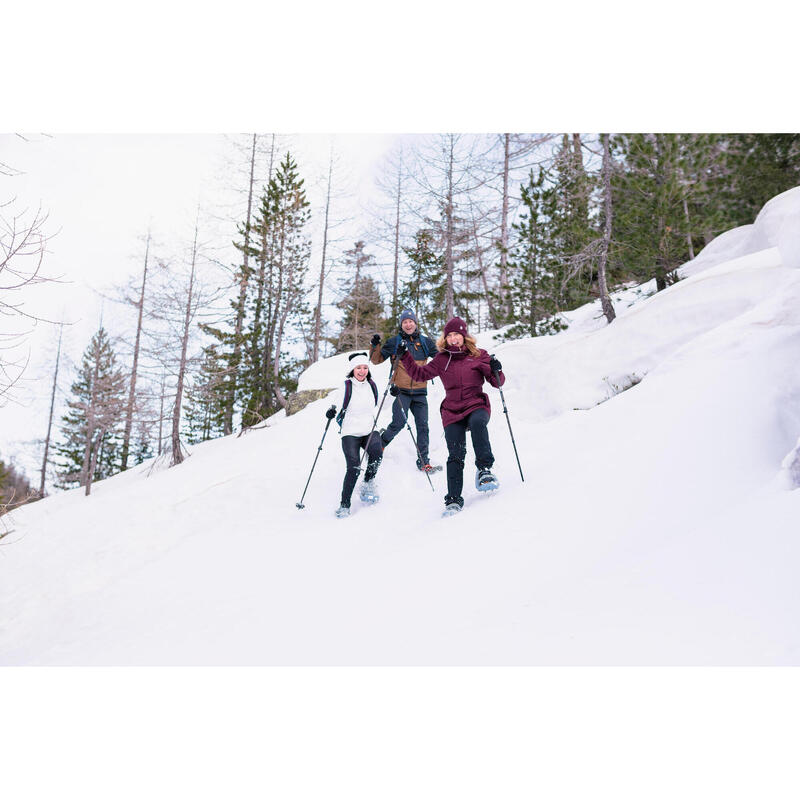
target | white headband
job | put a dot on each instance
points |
(358, 360)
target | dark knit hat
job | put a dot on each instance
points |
(456, 325)
(408, 314)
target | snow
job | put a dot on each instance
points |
(655, 525)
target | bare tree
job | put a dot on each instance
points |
(23, 244)
(177, 454)
(50, 417)
(104, 412)
(162, 397)
(245, 275)
(336, 194)
(480, 249)
(322, 273)
(504, 223)
(519, 152)
(129, 410)
(390, 219)
(605, 300)
(449, 173)
(181, 299)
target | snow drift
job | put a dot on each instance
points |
(656, 523)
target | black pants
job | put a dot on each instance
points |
(418, 405)
(455, 435)
(352, 446)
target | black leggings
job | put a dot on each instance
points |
(455, 435)
(352, 446)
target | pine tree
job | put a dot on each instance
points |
(204, 416)
(278, 313)
(92, 437)
(649, 226)
(571, 230)
(534, 267)
(362, 304)
(761, 165)
(425, 289)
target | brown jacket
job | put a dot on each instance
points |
(421, 349)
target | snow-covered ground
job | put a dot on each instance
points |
(654, 526)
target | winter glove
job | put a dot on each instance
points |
(401, 349)
(331, 412)
(495, 365)
(376, 340)
(394, 391)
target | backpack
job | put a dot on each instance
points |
(348, 393)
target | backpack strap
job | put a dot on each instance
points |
(348, 393)
(374, 389)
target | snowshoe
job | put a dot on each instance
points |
(426, 467)
(452, 505)
(485, 481)
(369, 492)
(343, 511)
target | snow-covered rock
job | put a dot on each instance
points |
(776, 225)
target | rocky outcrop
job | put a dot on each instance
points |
(299, 400)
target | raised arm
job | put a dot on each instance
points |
(423, 372)
(376, 352)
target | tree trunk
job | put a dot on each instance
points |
(448, 252)
(395, 308)
(91, 414)
(227, 425)
(177, 454)
(276, 363)
(161, 412)
(318, 312)
(132, 392)
(605, 300)
(50, 418)
(95, 452)
(492, 312)
(688, 228)
(504, 231)
(357, 298)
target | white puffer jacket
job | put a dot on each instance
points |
(360, 412)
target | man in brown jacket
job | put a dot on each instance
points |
(408, 394)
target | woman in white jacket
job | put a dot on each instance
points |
(356, 418)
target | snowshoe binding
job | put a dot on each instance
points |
(424, 466)
(369, 492)
(342, 512)
(485, 481)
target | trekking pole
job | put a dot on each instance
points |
(505, 411)
(414, 439)
(319, 450)
(375, 421)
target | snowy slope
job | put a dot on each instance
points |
(654, 526)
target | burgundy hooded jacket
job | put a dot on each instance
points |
(462, 376)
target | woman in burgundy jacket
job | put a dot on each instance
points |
(463, 368)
